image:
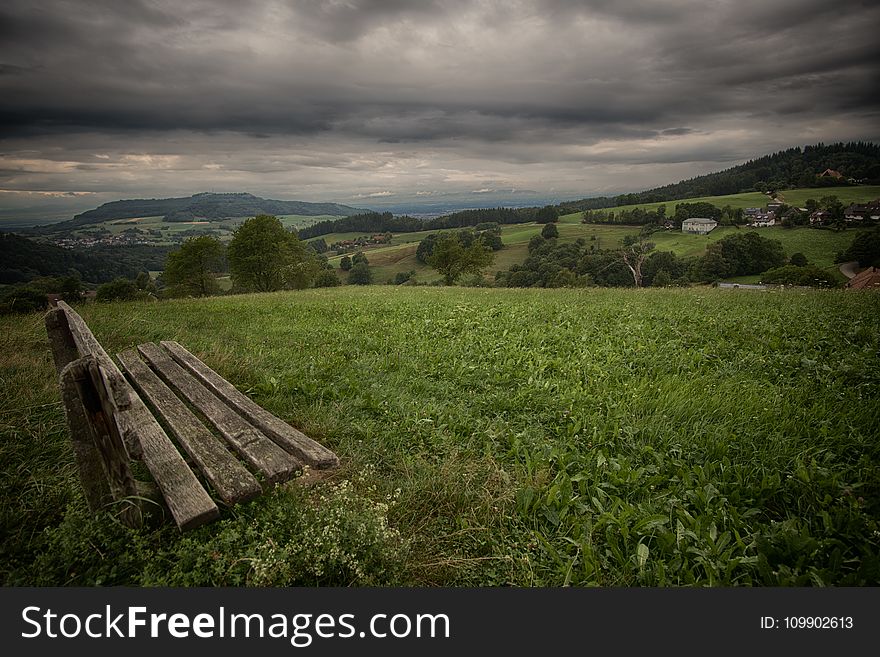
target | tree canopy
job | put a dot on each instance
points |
(191, 270)
(360, 274)
(264, 257)
(451, 258)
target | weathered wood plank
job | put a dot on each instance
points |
(61, 342)
(87, 344)
(113, 457)
(297, 443)
(189, 503)
(85, 453)
(227, 475)
(275, 464)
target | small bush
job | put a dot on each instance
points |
(327, 278)
(23, 300)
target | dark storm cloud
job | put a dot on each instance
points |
(423, 94)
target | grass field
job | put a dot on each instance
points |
(400, 255)
(796, 197)
(223, 229)
(493, 437)
(819, 246)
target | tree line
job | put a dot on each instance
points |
(551, 263)
(375, 222)
(790, 168)
(23, 260)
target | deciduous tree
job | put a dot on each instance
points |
(549, 231)
(192, 269)
(360, 274)
(264, 256)
(634, 252)
(452, 259)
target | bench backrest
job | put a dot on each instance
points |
(109, 423)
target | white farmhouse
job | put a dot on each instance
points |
(698, 225)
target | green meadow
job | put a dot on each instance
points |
(488, 437)
(223, 229)
(795, 197)
(819, 246)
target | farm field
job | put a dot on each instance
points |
(222, 229)
(819, 246)
(491, 437)
(399, 256)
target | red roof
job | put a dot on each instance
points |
(866, 280)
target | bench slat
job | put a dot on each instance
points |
(88, 345)
(275, 464)
(189, 503)
(227, 475)
(297, 443)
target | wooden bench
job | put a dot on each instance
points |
(231, 443)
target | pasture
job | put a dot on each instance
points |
(167, 230)
(796, 197)
(819, 246)
(597, 437)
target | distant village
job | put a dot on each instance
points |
(857, 214)
(343, 246)
(93, 237)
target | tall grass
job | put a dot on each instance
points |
(493, 437)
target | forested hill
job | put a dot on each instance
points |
(794, 167)
(207, 207)
(376, 222)
(23, 259)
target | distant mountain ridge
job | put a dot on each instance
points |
(206, 206)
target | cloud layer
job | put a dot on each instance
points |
(395, 100)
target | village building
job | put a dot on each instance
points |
(830, 173)
(820, 217)
(763, 219)
(866, 280)
(698, 225)
(863, 212)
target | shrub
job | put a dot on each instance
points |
(808, 276)
(121, 289)
(798, 260)
(549, 231)
(23, 300)
(327, 278)
(360, 274)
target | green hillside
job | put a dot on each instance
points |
(819, 246)
(493, 437)
(206, 206)
(795, 197)
(788, 169)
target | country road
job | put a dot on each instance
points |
(848, 269)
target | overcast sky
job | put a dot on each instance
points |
(371, 102)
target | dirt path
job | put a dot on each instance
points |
(848, 269)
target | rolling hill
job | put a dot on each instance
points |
(206, 206)
(794, 167)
